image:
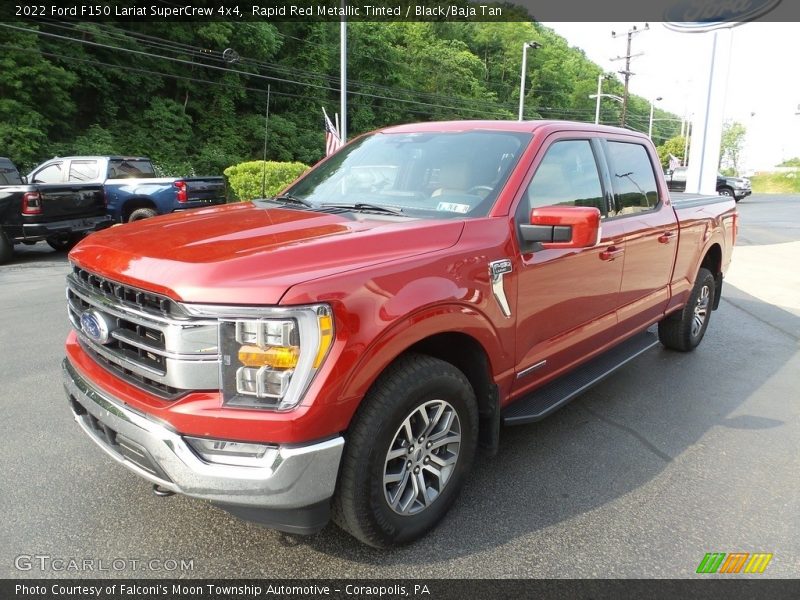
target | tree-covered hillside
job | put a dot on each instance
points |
(170, 91)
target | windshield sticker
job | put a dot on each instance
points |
(453, 207)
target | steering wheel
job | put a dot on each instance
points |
(476, 190)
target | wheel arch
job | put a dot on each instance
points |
(135, 203)
(712, 260)
(451, 334)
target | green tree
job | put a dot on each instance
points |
(730, 150)
(674, 146)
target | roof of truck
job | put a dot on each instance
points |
(522, 126)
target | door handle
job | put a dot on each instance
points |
(611, 253)
(666, 237)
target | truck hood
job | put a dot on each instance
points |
(245, 254)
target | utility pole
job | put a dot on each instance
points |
(627, 72)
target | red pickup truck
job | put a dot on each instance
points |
(343, 350)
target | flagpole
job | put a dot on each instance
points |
(343, 74)
(266, 131)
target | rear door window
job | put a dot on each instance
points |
(632, 176)
(83, 170)
(130, 168)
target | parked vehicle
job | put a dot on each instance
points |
(347, 346)
(735, 187)
(132, 189)
(58, 214)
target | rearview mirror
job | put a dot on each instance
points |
(563, 227)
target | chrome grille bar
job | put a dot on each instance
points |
(156, 348)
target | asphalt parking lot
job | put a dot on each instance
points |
(675, 456)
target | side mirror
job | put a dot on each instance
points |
(563, 227)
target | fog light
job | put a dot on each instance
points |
(224, 452)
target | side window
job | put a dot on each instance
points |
(83, 170)
(50, 174)
(567, 176)
(632, 177)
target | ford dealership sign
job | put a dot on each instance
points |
(705, 15)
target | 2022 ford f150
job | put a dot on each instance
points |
(345, 348)
(133, 192)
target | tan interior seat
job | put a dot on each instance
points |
(454, 178)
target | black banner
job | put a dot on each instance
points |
(706, 11)
(434, 589)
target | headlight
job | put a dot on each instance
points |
(269, 362)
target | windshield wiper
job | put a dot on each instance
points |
(366, 206)
(289, 199)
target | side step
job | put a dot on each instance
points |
(545, 400)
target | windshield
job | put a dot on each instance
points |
(429, 175)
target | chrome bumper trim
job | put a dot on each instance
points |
(291, 476)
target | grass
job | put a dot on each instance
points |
(776, 183)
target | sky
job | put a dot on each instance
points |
(763, 91)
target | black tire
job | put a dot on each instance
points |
(6, 248)
(63, 243)
(361, 504)
(726, 191)
(679, 330)
(142, 213)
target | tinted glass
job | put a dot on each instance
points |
(632, 177)
(567, 176)
(8, 173)
(428, 175)
(83, 170)
(50, 174)
(130, 169)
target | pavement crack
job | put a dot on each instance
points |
(638, 436)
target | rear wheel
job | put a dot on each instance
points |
(6, 248)
(142, 213)
(408, 452)
(685, 329)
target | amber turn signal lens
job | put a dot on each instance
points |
(278, 357)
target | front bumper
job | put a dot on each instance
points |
(293, 477)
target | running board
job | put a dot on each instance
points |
(549, 398)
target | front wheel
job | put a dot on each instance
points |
(684, 330)
(408, 452)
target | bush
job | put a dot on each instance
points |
(245, 178)
(775, 183)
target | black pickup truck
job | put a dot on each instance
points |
(59, 214)
(735, 187)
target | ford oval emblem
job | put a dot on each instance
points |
(96, 327)
(698, 16)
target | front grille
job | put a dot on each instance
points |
(127, 295)
(147, 344)
(161, 390)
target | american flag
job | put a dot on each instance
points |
(674, 162)
(333, 141)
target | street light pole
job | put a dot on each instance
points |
(597, 104)
(650, 128)
(525, 47)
